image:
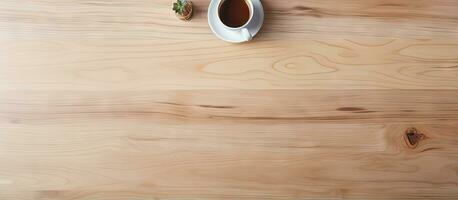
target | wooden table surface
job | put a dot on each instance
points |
(334, 99)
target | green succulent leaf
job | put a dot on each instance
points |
(175, 7)
(179, 6)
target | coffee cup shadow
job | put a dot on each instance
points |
(269, 19)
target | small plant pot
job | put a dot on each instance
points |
(187, 13)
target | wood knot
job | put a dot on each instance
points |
(412, 137)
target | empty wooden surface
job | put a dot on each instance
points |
(112, 99)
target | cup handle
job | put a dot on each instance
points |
(246, 34)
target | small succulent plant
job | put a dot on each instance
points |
(183, 9)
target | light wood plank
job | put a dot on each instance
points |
(232, 161)
(142, 195)
(214, 144)
(296, 19)
(317, 106)
(167, 64)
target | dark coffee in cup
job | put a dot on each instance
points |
(234, 13)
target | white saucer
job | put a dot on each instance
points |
(234, 36)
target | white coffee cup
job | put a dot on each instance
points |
(243, 30)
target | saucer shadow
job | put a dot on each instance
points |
(269, 19)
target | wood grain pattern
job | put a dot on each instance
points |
(297, 19)
(119, 100)
(163, 64)
(314, 106)
(211, 144)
